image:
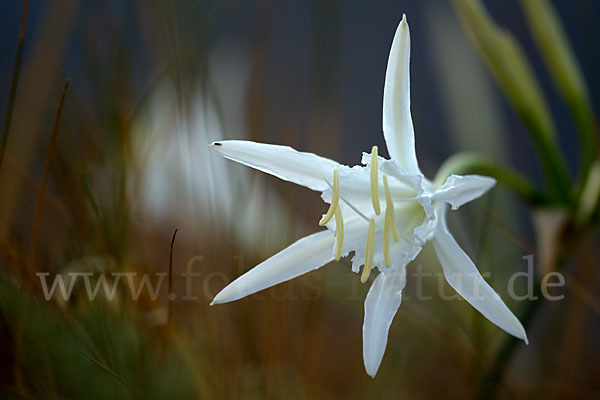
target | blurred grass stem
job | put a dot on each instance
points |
(110, 372)
(37, 218)
(12, 94)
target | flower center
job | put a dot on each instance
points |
(334, 211)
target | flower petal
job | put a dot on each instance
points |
(302, 256)
(463, 276)
(383, 300)
(284, 162)
(459, 190)
(397, 121)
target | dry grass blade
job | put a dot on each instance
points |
(14, 80)
(114, 375)
(37, 219)
(529, 249)
(171, 296)
(585, 295)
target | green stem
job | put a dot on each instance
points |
(464, 163)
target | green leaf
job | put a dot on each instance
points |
(509, 66)
(562, 65)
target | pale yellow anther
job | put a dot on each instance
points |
(389, 209)
(339, 234)
(369, 252)
(335, 196)
(374, 181)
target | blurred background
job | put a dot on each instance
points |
(152, 83)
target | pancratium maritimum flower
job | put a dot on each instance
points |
(383, 212)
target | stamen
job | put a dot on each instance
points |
(374, 181)
(386, 235)
(339, 233)
(390, 209)
(369, 252)
(335, 194)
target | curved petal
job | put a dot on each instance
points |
(463, 276)
(284, 162)
(397, 121)
(302, 256)
(459, 190)
(383, 300)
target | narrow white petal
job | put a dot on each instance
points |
(302, 256)
(383, 300)
(397, 121)
(459, 190)
(463, 276)
(284, 162)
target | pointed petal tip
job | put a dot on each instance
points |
(403, 23)
(518, 331)
(371, 368)
(220, 298)
(524, 337)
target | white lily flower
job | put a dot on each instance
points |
(383, 211)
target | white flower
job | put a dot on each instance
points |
(383, 212)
